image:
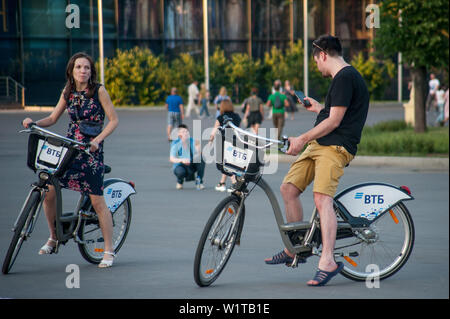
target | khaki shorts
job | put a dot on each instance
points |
(323, 164)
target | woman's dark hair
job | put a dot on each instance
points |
(328, 44)
(70, 84)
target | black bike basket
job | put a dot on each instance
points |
(49, 154)
(234, 157)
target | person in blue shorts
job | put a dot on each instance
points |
(175, 108)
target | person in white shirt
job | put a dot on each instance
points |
(433, 85)
(192, 99)
(440, 98)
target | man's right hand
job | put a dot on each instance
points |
(296, 145)
(315, 107)
(27, 121)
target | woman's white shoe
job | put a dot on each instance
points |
(47, 249)
(106, 263)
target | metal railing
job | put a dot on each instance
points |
(10, 88)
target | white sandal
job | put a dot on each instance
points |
(106, 263)
(47, 250)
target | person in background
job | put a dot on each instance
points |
(446, 106)
(226, 111)
(278, 102)
(192, 98)
(433, 85)
(219, 98)
(254, 111)
(185, 154)
(440, 99)
(289, 92)
(175, 108)
(203, 98)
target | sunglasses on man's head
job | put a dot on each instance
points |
(317, 46)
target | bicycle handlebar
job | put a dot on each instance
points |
(33, 128)
(285, 141)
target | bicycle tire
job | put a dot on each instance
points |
(92, 247)
(206, 241)
(23, 222)
(360, 270)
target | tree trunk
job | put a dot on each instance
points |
(419, 75)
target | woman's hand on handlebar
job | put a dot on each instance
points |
(93, 146)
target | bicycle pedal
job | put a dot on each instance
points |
(297, 260)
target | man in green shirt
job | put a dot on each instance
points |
(278, 102)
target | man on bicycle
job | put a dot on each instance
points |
(332, 144)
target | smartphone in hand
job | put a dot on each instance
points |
(301, 97)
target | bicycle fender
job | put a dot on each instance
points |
(369, 200)
(115, 192)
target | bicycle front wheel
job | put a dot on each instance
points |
(21, 230)
(92, 246)
(380, 250)
(217, 241)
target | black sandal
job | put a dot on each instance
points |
(280, 258)
(322, 276)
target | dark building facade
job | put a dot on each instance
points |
(36, 42)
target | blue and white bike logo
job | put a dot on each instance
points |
(370, 199)
(359, 195)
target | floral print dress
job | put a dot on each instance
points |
(85, 174)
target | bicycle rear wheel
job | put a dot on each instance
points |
(380, 250)
(217, 241)
(22, 229)
(92, 247)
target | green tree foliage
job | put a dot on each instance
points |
(218, 64)
(132, 77)
(422, 38)
(374, 73)
(243, 74)
(138, 77)
(184, 70)
(286, 65)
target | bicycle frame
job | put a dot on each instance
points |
(385, 196)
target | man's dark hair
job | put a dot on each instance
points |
(328, 44)
(277, 85)
(183, 126)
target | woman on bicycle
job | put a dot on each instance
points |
(85, 101)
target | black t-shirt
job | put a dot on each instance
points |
(235, 118)
(347, 89)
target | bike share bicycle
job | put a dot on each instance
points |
(49, 155)
(374, 225)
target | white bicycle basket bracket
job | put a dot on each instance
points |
(371, 199)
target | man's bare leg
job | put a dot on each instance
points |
(292, 206)
(328, 227)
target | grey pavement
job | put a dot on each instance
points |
(156, 260)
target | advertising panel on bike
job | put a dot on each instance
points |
(371, 200)
(49, 153)
(237, 156)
